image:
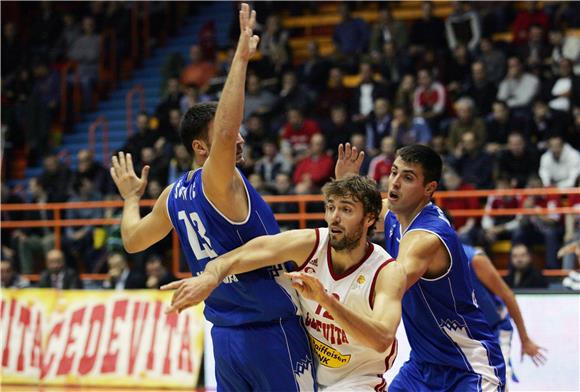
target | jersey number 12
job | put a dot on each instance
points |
(199, 243)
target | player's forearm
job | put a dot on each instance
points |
(516, 315)
(230, 110)
(129, 221)
(367, 331)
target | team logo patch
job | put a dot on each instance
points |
(327, 355)
(361, 279)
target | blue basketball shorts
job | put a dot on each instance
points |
(426, 377)
(272, 356)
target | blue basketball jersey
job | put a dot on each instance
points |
(258, 296)
(442, 321)
(491, 305)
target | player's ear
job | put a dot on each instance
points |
(430, 188)
(200, 148)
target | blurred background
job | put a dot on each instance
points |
(494, 87)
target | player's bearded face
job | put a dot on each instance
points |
(342, 238)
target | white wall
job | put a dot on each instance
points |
(552, 321)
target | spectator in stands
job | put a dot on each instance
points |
(156, 273)
(572, 233)
(314, 71)
(318, 164)
(358, 140)
(500, 123)
(189, 98)
(518, 161)
(381, 164)
(456, 70)
(500, 226)
(518, 88)
(429, 99)
(560, 165)
(57, 275)
(271, 163)
(85, 50)
(32, 243)
(405, 95)
(561, 92)
(467, 228)
(351, 36)
(465, 122)
(259, 184)
(144, 137)
(408, 129)
(527, 17)
(535, 50)
(378, 124)
(463, 26)
(120, 276)
(9, 278)
(564, 46)
(255, 132)
(257, 100)
(198, 72)
(472, 163)
(439, 145)
(274, 47)
(335, 94)
(388, 30)
(297, 131)
(169, 131)
(427, 32)
(283, 186)
(55, 179)
(545, 228)
(293, 94)
(180, 163)
(89, 168)
(169, 101)
(522, 273)
(79, 240)
(480, 89)
(338, 128)
(157, 161)
(70, 31)
(391, 63)
(368, 90)
(545, 123)
(493, 59)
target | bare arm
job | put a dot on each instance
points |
(418, 253)
(490, 278)
(218, 173)
(377, 332)
(138, 233)
(294, 245)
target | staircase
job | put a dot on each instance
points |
(114, 109)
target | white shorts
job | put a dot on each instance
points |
(363, 383)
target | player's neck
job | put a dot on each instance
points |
(406, 218)
(344, 259)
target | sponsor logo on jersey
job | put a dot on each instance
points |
(332, 333)
(314, 262)
(361, 279)
(327, 355)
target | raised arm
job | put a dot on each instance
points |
(376, 332)
(218, 173)
(490, 278)
(138, 233)
(294, 245)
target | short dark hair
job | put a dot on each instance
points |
(194, 124)
(426, 157)
(360, 188)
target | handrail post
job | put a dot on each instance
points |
(302, 211)
(129, 105)
(57, 230)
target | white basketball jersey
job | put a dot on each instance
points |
(341, 357)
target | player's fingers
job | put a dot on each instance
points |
(172, 285)
(361, 157)
(122, 163)
(254, 42)
(113, 174)
(145, 173)
(340, 151)
(354, 154)
(129, 161)
(115, 163)
(347, 151)
(252, 22)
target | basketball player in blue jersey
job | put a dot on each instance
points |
(498, 303)
(452, 346)
(260, 343)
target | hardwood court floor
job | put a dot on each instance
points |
(39, 388)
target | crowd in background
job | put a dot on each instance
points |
(502, 115)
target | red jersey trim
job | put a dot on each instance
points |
(389, 360)
(313, 251)
(350, 270)
(372, 292)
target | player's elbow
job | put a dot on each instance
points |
(130, 246)
(383, 341)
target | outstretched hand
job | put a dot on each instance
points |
(248, 42)
(534, 351)
(349, 161)
(190, 292)
(308, 286)
(127, 182)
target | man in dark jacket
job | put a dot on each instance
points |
(57, 275)
(121, 277)
(522, 272)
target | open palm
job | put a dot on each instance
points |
(248, 42)
(123, 173)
